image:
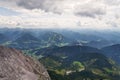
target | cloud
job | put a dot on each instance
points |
(85, 8)
(46, 5)
(112, 2)
(56, 6)
(90, 10)
(62, 13)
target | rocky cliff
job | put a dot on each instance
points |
(16, 66)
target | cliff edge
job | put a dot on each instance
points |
(14, 65)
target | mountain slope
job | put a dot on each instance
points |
(3, 38)
(67, 50)
(76, 61)
(99, 43)
(25, 41)
(16, 66)
(81, 36)
(26, 37)
(53, 38)
(112, 52)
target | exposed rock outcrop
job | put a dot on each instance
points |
(16, 66)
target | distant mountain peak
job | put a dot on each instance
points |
(116, 45)
(27, 37)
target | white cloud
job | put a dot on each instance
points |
(90, 10)
(93, 14)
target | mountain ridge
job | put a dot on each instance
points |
(113, 52)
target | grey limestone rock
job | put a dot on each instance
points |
(14, 65)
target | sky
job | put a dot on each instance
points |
(70, 14)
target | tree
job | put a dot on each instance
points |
(77, 66)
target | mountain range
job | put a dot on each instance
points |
(74, 60)
(47, 38)
(84, 54)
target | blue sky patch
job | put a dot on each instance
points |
(8, 12)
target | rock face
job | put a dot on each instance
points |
(16, 66)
